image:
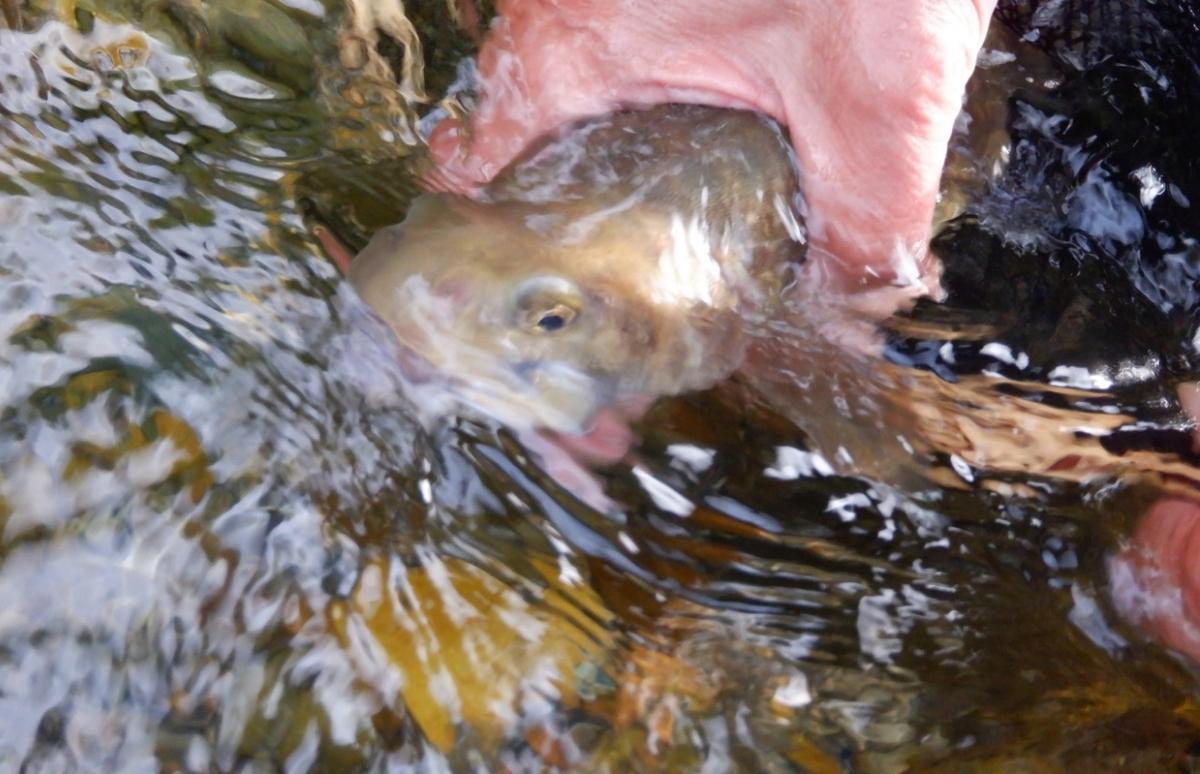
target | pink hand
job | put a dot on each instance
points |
(869, 90)
(1156, 581)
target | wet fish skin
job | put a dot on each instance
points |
(619, 258)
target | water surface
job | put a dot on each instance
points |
(229, 543)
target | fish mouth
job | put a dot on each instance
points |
(541, 394)
(608, 434)
(533, 394)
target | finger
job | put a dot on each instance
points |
(1155, 581)
(887, 86)
(452, 170)
(1189, 400)
(538, 69)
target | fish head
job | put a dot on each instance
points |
(540, 315)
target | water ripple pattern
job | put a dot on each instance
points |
(229, 540)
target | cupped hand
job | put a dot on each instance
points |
(869, 91)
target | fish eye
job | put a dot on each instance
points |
(547, 304)
(556, 318)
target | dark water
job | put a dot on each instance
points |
(228, 543)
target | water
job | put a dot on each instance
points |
(228, 542)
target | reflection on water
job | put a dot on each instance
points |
(227, 540)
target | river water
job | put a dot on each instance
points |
(230, 543)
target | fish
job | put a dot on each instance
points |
(621, 258)
(648, 253)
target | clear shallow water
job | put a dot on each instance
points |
(228, 543)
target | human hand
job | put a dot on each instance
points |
(1155, 581)
(869, 91)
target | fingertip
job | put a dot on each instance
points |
(1165, 530)
(1154, 580)
(1189, 400)
(334, 248)
(454, 169)
(446, 142)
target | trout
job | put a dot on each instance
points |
(636, 255)
(619, 259)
